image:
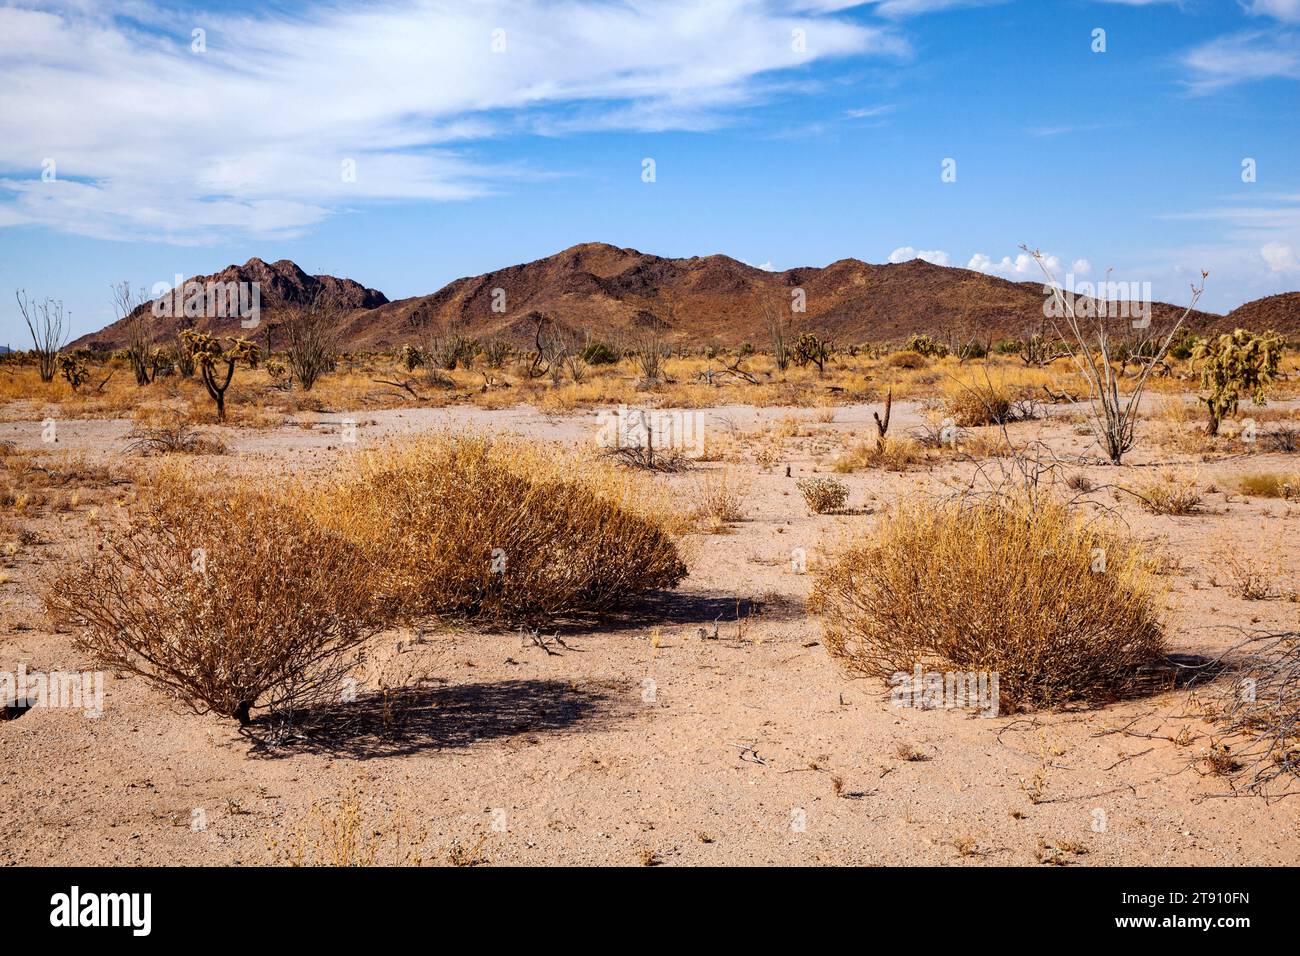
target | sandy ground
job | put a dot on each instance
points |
(644, 741)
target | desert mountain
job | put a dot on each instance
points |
(279, 283)
(618, 295)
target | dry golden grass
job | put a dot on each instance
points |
(718, 497)
(995, 586)
(889, 454)
(372, 381)
(1169, 494)
(1266, 484)
(345, 835)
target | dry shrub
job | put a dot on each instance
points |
(1269, 485)
(172, 438)
(890, 454)
(1253, 572)
(719, 498)
(1170, 494)
(229, 601)
(976, 401)
(1256, 705)
(823, 494)
(999, 586)
(464, 527)
(907, 359)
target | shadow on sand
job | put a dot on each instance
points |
(405, 721)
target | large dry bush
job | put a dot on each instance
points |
(472, 527)
(1060, 609)
(228, 599)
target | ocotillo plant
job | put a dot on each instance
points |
(208, 355)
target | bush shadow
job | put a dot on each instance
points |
(404, 721)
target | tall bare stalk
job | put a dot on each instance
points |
(46, 322)
(1091, 347)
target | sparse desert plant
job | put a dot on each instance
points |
(228, 600)
(411, 357)
(823, 493)
(1253, 573)
(349, 836)
(170, 438)
(313, 333)
(1170, 494)
(976, 401)
(1094, 332)
(74, 370)
(718, 498)
(907, 359)
(144, 358)
(809, 349)
(464, 531)
(925, 345)
(890, 454)
(1234, 365)
(1269, 485)
(1080, 482)
(598, 353)
(497, 352)
(209, 356)
(1256, 705)
(1009, 586)
(48, 327)
(1284, 439)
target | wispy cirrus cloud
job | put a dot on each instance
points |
(154, 134)
(1241, 58)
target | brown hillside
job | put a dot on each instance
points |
(280, 281)
(1278, 312)
(617, 295)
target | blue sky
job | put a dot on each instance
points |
(476, 149)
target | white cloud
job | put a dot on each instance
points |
(1286, 10)
(867, 112)
(155, 141)
(1242, 58)
(1081, 267)
(910, 8)
(905, 253)
(1279, 256)
(1021, 268)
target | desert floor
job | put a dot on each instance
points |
(644, 741)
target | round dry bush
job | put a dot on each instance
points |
(461, 533)
(907, 359)
(227, 599)
(1060, 609)
(978, 402)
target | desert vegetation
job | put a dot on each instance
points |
(427, 549)
(1059, 608)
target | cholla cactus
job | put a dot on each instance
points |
(1236, 364)
(924, 345)
(411, 357)
(74, 370)
(209, 355)
(809, 348)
